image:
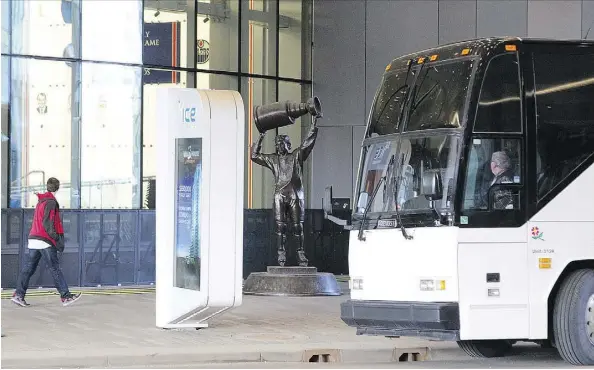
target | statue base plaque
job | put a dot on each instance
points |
(291, 281)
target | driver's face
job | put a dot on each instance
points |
(495, 169)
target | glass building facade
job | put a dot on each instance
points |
(79, 81)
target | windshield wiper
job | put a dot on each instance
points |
(383, 178)
(416, 104)
(367, 206)
(396, 187)
(405, 86)
(389, 99)
(415, 89)
(412, 93)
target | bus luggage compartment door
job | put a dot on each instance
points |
(493, 290)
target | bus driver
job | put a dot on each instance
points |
(502, 174)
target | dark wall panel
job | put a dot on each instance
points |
(358, 133)
(502, 18)
(395, 28)
(560, 19)
(146, 249)
(457, 20)
(332, 164)
(12, 239)
(588, 19)
(109, 246)
(339, 61)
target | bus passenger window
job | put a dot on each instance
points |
(499, 106)
(565, 118)
(492, 162)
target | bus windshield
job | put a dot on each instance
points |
(437, 99)
(401, 161)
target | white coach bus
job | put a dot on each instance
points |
(474, 220)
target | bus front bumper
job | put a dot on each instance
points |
(429, 320)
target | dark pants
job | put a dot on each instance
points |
(51, 258)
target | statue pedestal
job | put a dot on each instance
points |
(291, 281)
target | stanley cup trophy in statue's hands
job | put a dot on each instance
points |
(287, 168)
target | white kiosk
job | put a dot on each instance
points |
(199, 205)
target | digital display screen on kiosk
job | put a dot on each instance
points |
(188, 158)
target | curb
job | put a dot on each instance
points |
(108, 290)
(94, 291)
(337, 353)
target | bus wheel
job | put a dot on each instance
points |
(485, 348)
(573, 318)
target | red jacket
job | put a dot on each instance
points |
(47, 225)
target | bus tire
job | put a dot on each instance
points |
(573, 318)
(485, 348)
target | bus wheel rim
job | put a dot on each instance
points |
(590, 319)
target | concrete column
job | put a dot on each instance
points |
(191, 42)
(75, 127)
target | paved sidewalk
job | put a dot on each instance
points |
(119, 330)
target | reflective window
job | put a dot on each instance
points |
(387, 108)
(404, 176)
(139, 44)
(112, 32)
(259, 38)
(154, 79)
(110, 136)
(294, 33)
(165, 37)
(378, 159)
(6, 29)
(41, 125)
(47, 28)
(217, 30)
(492, 162)
(440, 96)
(5, 122)
(500, 107)
(565, 116)
(216, 82)
(259, 4)
(259, 180)
(5, 84)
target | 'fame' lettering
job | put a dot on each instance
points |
(148, 41)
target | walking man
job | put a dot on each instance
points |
(45, 239)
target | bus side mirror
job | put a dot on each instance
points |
(431, 186)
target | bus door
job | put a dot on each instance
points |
(493, 281)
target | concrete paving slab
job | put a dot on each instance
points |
(119, 330)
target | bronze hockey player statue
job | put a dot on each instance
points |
(287, 168)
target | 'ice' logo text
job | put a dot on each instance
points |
(189, 115)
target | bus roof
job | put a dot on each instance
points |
(480, 46)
